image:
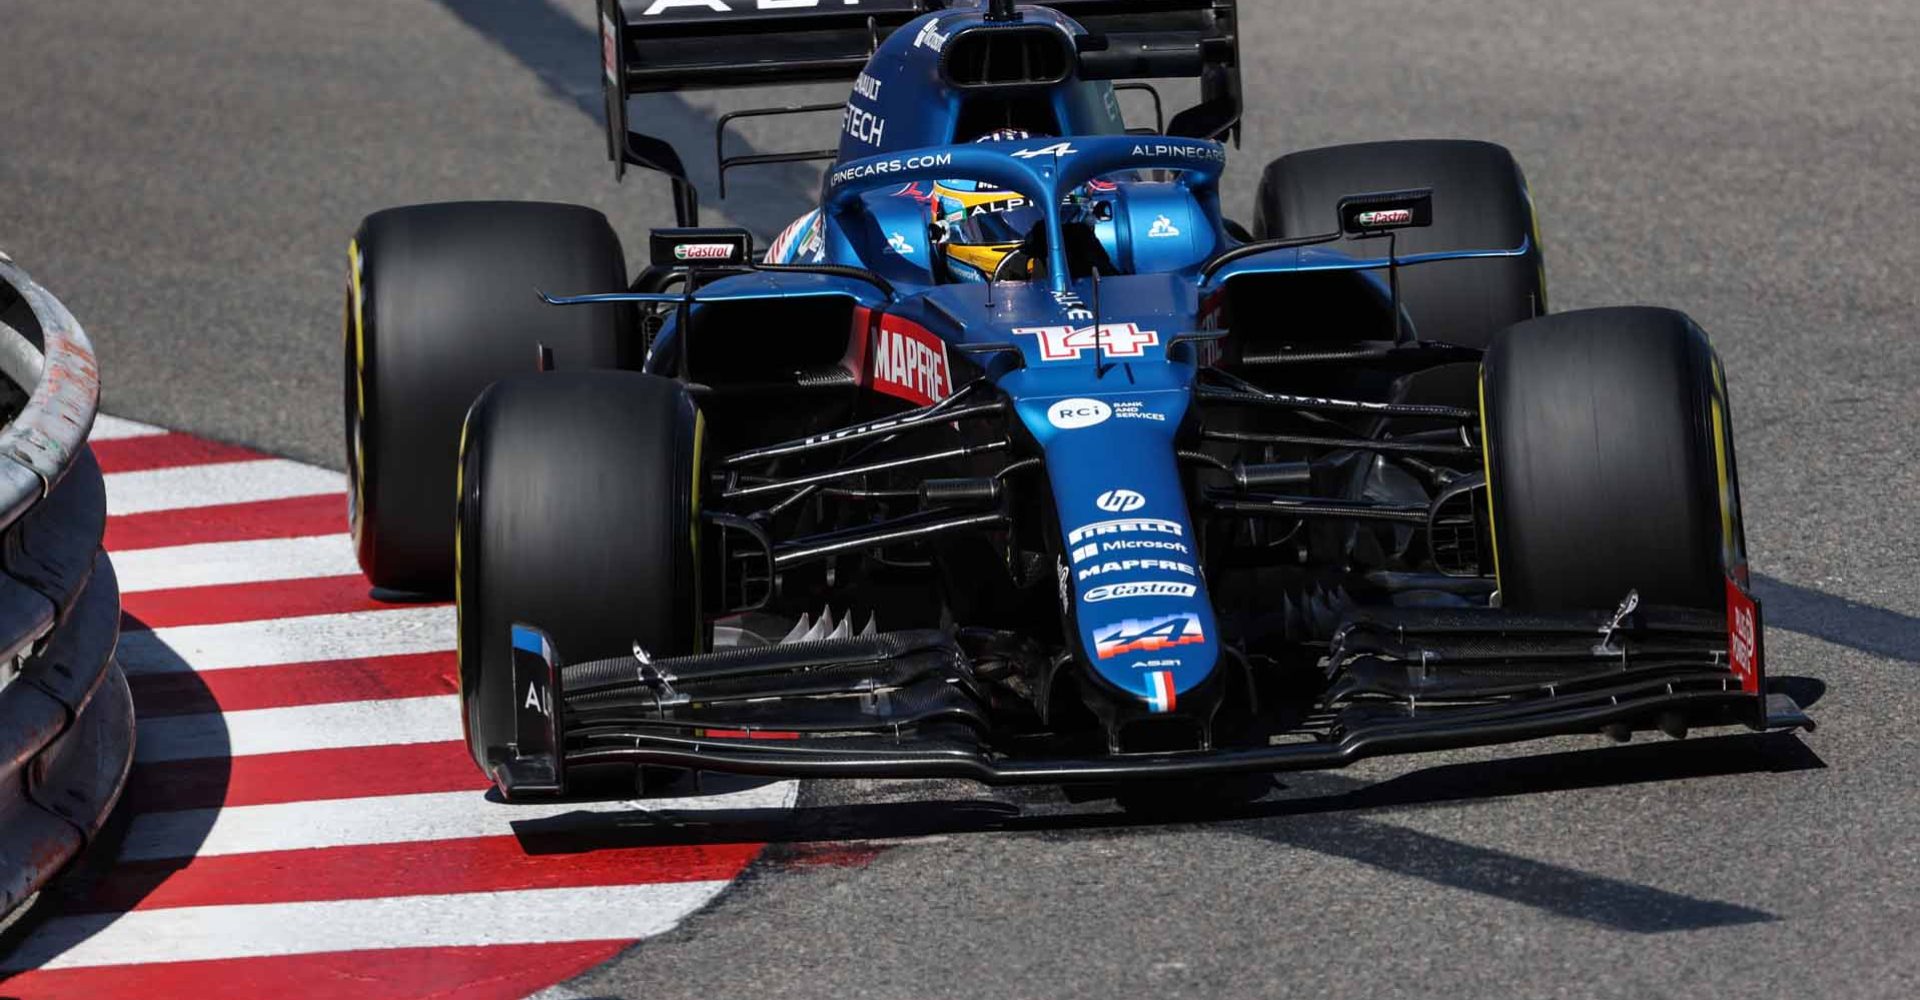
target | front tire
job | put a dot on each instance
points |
(1610, 464)
(440, 303)
(578, 514)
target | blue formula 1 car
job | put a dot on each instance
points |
(1019, 459)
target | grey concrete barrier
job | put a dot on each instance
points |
(66, 715)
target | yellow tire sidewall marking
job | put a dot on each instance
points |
(1486, 471)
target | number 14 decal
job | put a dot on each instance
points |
(1116, 340)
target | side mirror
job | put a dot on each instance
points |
(1373, 214)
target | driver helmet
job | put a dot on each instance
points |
(979, 225)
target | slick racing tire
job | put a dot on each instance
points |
(441, 302)
(1609, 462)
(578, 515)
(1480, 202)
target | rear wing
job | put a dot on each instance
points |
(649, 46)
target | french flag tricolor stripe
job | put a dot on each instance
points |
(1160, 696)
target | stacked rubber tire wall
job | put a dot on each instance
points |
(66, 716)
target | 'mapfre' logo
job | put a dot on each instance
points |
(910, 362)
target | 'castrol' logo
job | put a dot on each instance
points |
(1385, 217)
(703, 251)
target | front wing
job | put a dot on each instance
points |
(919, 705)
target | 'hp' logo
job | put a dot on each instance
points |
(1120, 501)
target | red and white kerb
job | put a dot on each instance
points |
(303, 819)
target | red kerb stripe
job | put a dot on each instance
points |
(325, 682)
(164, 451)
(294, 517)
(377, 871)
(304, 776)
(245, 602)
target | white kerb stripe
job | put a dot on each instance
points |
(387, 632)
(429, 719)
(202, 933)
(219, 483)
(401, 819)
(214, 563)
(107, 428)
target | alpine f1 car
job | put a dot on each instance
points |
(1019, 459)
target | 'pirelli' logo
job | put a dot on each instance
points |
(1126, 526)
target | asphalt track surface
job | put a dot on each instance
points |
(185, 177)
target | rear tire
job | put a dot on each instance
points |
(1610, 462)
(1480, 202)
(578, 515)
(440, 303)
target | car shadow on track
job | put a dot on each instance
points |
(1325, 812)
(1323, 793)
(1836, 619)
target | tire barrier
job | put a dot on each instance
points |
(66, 715)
